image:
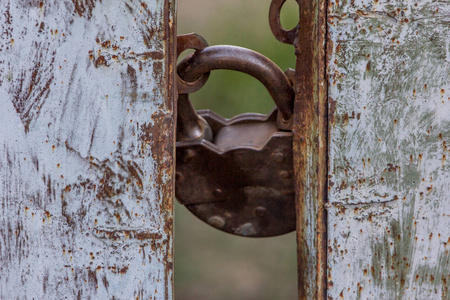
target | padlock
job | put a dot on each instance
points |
(235, 174)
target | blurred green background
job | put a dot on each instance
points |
(210, 264)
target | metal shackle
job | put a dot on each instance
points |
(223, 181)
(246, 61)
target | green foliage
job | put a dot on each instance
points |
(240, 23)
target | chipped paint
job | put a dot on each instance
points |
(389, 105)
(310, 149)
(86, 149)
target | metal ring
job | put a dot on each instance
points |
(281, 34)
(246, 61)
(185, 42)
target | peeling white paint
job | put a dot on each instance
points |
(85, 205)
(389, 89)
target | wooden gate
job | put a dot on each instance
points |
(374, 214)
(87, 142)
(86, 139)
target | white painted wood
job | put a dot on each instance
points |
(389, 201)
(86, 149)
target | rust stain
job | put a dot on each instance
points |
(123, 270)
(110, 51)
(332, 110)
(153, 55)
(310, 146)
(170, 103)
(115, 269)
(122, 235)
(84, 7)
(100, 61)
(345, 119)
(32, 87)
(106, 44)
(156, 136)
(110, 179)
(157, 71)
(131, 81)
(392, 168)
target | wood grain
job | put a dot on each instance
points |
(389, 112)
(86, 149)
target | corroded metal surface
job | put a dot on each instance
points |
(389, 96)
(235, 174)
(310, 149)
(191, 41)
(285, 36)
(86, 149)
(242, 182)
(225, 57)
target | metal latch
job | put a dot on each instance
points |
(235, 174)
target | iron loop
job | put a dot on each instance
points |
(243, 60)
(185, 42)
(281, 34)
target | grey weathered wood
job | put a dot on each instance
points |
(389, 172)
(86, 149)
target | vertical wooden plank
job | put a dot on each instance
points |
(86, 149)
(310, 148)
(389, 95)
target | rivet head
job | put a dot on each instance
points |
(285, 174)
(218, 192)
(188, 155)
(260, 211)
(278, 157)
(246, 229)
(217, 222)
(179, 177)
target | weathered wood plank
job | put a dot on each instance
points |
(389, 95)
(86, 149)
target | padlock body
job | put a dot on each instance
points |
(242, 182)
(251, 135)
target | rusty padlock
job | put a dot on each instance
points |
(235, 174)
